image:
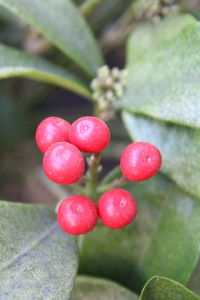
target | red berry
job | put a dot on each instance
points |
(117, 208)
(90, 134)
(77, 214)
(50, 131)
(140, 161)
(63, 163)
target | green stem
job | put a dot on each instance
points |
(91, 187)
(89, 6)
(78, 189)
(118, 32)
(115, 183)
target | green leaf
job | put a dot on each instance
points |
(16, 63)
(90, 288)
(164, 71)
(163, 240)
(179, 146)
(37, 259)
(63, 25)
(160, 288)
(193, 284)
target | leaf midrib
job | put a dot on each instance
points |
(28, 248)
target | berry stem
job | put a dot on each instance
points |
(78, 189)
(115, 183)
(84, 179)
(93, 171)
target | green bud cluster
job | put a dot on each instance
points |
(108, 86)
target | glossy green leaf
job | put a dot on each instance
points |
(163, 240)
(164, 69)
(160, 288)
(37, 259)
(63, 25)
(91, 288)
(15, 63)
(180, 148)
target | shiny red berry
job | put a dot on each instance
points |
(77, 214)
(117, 208)
(63, 163)
(140, 161)
(50, 131)
(89, 134)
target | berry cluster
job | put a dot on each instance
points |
(63, 163)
